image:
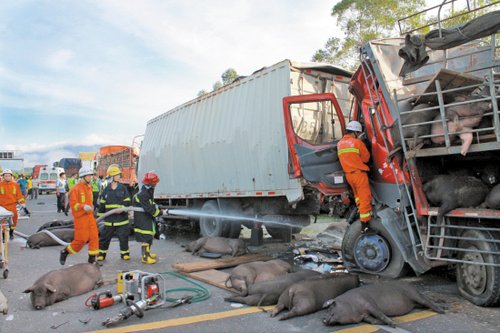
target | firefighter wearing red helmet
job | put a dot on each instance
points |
(145, 224)
(353, 157)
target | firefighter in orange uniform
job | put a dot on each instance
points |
(353, 157)
(80, 201)
(10, 196)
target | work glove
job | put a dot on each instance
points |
(88, 208)
(365, 228)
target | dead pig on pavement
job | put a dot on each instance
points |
(61, 284)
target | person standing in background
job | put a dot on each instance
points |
(61, 193)
(10, 196)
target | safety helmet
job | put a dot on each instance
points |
(9, 171)
(85, 172)
(150, 178)
(113, 170)
(354, 126)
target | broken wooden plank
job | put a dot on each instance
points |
(449, 79)
(203, 265)
(211, 276)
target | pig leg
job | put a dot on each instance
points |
(370, 320)
(249, 300)
(277, 309)
(301, 306)
(466, 141)
(375, 312)
(425, 302)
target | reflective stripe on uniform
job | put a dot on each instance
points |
(103, 251)
(114, 206)
(348, 150)
(82, 197)
(127, 199)
(157, 212)
(116, 224)
(125, 252)
(144, 232)
(365, 215)
(70, 249)
(76, 207)
(93, 252)
(2, 191)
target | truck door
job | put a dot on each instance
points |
(314, 124)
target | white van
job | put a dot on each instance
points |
(48, 178)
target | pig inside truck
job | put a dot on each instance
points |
(430, 113)
(260, 147)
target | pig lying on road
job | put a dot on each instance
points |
(242, 276)
(268, 292)
(58, 285)
(41, 239)
(308, 296)
(376, 301)
(56, 224)
(234, 247)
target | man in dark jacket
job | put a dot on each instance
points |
(115, 195)
(145, 221)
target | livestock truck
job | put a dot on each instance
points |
(123, 156)
(453, 74)
(258, 147)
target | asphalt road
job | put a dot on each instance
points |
(213, 315)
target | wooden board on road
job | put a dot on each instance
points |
(204, 265)
(211, 276)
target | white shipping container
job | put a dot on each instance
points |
(232, 142)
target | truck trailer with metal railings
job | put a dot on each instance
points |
(432, 116)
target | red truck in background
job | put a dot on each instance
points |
(125, 157)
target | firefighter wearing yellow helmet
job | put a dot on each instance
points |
(114, 196)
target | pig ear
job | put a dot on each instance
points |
(50, 287)
(328, 303)
(30, 289)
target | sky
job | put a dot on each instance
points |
(94, 72)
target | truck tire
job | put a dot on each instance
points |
(283, 231)
(216, 226)
(394, 268)
(479, 284)
(231, 228)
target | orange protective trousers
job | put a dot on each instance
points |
(85, 232)
(362, 195)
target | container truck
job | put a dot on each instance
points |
(125, 157)
(259, 147)
(409, 230)
(71, 166)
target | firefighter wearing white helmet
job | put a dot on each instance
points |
(80, 201)
(353, 157)
(114, 196)
(10, 196)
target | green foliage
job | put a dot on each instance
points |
(201, 92)
(229, 76)
(217, 85)
(362, 21)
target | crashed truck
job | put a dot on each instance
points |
(429, 109)
(259, 147)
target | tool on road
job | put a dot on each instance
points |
(103, 300)
(143, 291)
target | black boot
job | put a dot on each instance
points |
(63, 256)
(11, 234)
(91, 259)
(352, 215)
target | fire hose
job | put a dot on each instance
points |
(99, 219)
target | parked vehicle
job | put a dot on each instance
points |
(48, 178)
(125, 157)
(260, 146)
(71, 166)
(36, 170)
(408, 230)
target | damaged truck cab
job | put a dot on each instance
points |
(435, 120)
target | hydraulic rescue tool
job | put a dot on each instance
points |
(104, 300)
(143, 291)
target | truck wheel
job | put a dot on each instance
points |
(479, 284)
(214, 226)
(231, 228)
(374, 253)
(211, 226)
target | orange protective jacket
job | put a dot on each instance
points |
(85, 223)
(10, 196)
(352, 154)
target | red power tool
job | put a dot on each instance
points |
(103, 300)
